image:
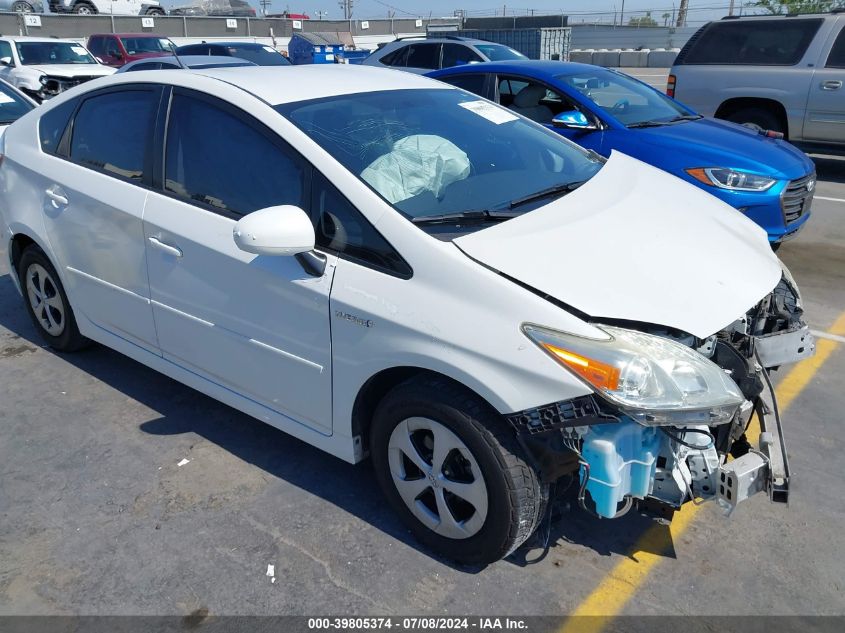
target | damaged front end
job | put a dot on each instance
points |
(667, 422)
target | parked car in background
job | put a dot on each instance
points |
(380, 264)
(107, 7)
(186, 61)
(769, 180)
(44, 67)
(783, 73)
(13, 105)
(424, 54)
(117, 49)
(229, 8)
(22, 6)
(259, 54)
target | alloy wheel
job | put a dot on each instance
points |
(45, 300)
(438, 478)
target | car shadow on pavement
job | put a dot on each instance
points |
(184, 410)
(830, 168)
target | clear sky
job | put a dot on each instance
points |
(578, 10)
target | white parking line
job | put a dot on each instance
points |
(829, 199)
(828, 336)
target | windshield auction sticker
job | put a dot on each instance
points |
(489, 111)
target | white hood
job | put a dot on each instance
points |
(636, 243)
(73, 70)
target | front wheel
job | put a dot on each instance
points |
(84, 8)
(155, 11)
(454, 472)
(22, 7)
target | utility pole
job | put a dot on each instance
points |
(265, 4)
(682, 13)
(731, 8)
(622, 15)
(321, 14)
(346, 5)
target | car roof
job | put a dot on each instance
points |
(46, 40)
(146, 35)
(193, 60)
(535, 67)
(288, 84)
(232, 43)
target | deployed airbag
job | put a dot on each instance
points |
(416, 164)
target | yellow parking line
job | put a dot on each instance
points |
(622, 582)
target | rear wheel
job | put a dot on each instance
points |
(155, 11)
(454, 472)
(757, 119)
(22, 7)
(47, 302)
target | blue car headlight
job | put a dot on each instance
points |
(732, 179)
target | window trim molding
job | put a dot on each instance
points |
(239, 114)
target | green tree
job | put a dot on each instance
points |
(776, 7)
(666, 17)
(643, 20)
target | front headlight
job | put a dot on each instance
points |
(43, 80)
(732, 179)
(653, 379)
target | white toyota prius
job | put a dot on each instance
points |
(386, 266)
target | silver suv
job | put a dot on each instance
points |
(782, 73)
(423, 54)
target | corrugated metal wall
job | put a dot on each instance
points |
(595, 36)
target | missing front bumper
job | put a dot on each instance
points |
(764, 469)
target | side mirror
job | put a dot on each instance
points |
(283, 230)
(5, 61)
(573, 119)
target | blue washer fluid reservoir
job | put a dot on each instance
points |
(622, 459)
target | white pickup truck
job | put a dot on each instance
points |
(782, 73)
(107, 7)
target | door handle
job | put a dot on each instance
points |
(831, 85)
(57, 196)
(166, 248)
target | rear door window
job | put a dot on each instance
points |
(456, 54)
(227, 162)
(776, 42)
(836, 59)
(424, 56)
(111, 132)
(470, 83)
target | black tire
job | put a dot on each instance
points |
(22, 7)
(514, 494)
(69, 339)
(757, 118)
(155, 11)
(84, 8)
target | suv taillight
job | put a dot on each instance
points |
(670, 86)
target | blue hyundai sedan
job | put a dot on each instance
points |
(766, 178)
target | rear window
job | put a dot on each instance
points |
(836, 59)
(780, 42)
